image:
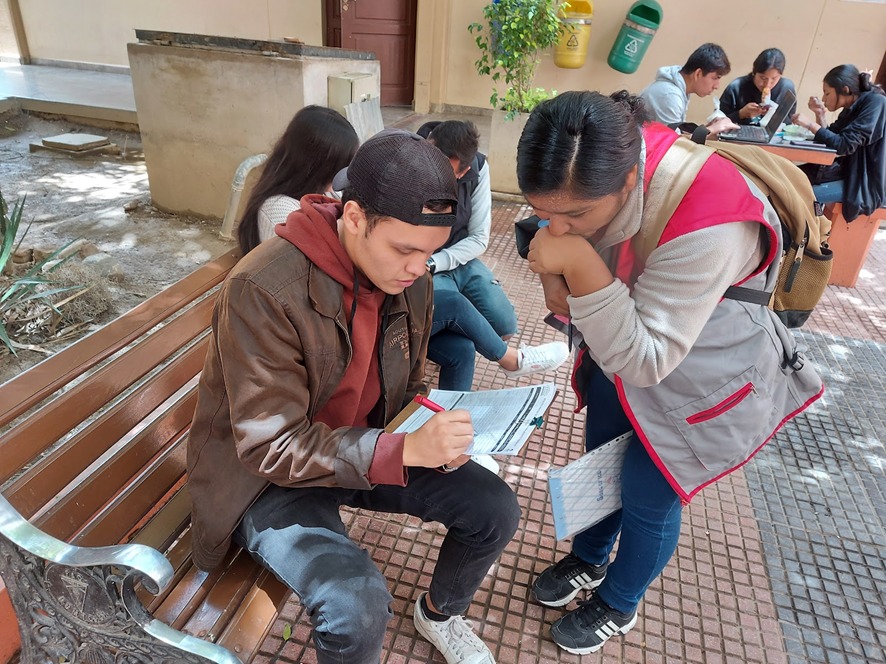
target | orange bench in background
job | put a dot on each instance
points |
(850, 242)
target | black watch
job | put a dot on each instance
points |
(432, 266)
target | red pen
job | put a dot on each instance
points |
(427, 403)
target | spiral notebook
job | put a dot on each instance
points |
(588, 490)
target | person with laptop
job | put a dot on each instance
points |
(700, 380)
(858, 175)
(765, 133)
(667, 98)
(748, 97)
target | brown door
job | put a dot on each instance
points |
(383, 27)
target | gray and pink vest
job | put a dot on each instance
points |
(744, 376)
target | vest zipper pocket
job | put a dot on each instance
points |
(724, 406)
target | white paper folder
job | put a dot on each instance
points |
(588, 490)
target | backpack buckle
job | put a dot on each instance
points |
(795, 362)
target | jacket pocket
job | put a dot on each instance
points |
(722, 427)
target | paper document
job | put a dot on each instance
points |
(588, 490)
(503, 419)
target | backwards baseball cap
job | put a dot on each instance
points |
(396, 173)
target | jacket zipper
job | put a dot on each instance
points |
(727, 404)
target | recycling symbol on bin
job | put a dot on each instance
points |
(632, 46)
(572, 42)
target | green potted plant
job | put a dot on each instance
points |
(510, 41)
(514, 33)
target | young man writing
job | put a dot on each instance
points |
(319, 340)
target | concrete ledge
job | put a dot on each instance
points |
(9, 104)
(83, 114)
(84, 66)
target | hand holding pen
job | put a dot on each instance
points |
(441, 441)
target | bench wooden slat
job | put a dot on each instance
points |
(30, 388)
(31, 437)
(52, 475)
(193, 586)
(74, 514)
(179, 556)
(120, 515)
(253, 620)
(167, 524)
(219, 604)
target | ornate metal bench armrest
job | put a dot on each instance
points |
(70, 606)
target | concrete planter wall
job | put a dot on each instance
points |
(503, 139)
(203, 110)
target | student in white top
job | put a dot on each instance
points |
(316, 145)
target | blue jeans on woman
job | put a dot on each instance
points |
(298, 534)
(471, 315)
(649, 519)
(829, 192)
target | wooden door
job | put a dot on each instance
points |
(383, 27)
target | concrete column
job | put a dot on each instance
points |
(13, 43)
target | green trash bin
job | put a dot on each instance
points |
(639, 27)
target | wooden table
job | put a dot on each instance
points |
(797, 153)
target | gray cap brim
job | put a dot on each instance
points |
(340, 181)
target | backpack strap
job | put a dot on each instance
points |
(673, 176)
(751, 295)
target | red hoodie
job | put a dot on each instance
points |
(314, 230)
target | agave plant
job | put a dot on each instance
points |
(17, 296)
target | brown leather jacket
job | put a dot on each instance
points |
(284, 336)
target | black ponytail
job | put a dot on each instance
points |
(854, 82)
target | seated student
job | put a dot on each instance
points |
(667, 98)
(747, 98)
(858, 175)
(316, 145)
(471, 310)
(318, 341)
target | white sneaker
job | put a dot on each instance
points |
(454, 638)
(534, 359)
(487, 462)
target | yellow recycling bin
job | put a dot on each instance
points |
(575, 34)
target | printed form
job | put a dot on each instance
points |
(503, 419)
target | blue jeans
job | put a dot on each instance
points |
(829, 192)
(477, 283)
(457, 332)
(298, 534)
(649, 520)
(471, 314)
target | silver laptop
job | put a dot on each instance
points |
(763, 134)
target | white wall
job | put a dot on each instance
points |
(97, 31)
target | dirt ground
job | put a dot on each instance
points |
(69, 199)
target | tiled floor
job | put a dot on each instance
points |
(755, 578)
(782, 562)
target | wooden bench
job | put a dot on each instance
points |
(92, 452)
(851, 243)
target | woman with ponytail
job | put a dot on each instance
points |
(700, 380)
(858, 175)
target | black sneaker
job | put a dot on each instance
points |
(586, 629)
(563, 580)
